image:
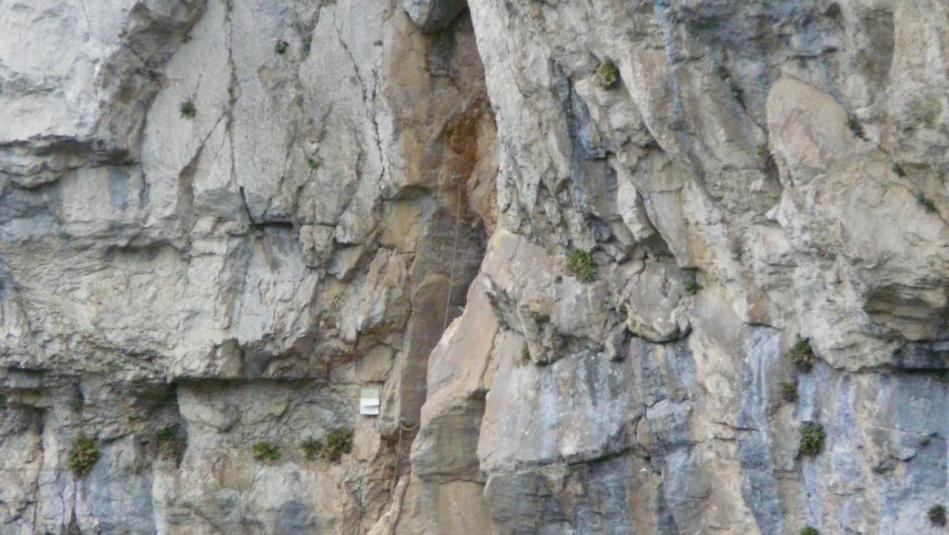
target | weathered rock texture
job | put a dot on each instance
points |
(219, 220)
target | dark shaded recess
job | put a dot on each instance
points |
(442, 14)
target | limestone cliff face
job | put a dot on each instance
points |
(631, 267)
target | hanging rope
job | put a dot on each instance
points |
(398, 452)
(454, 250)
(403, 427)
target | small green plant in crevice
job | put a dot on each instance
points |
(312, 448)
(927, 203)
(937, 515)
(171, 441)
(265, 451)
(809, 531)
(812, 439)
(789, 392)
(854, 125)
(281, 47)
(737, 92)
(721, 71)
(763, 153)
(581, 264)
(691, 284)
(699, 25)
(77, 401)
(607, 74)
(802, 355)
(83, 455)
(307, 45)
(187, 109)
(313, 164)
(337, 444)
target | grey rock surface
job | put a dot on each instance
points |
(576, 246)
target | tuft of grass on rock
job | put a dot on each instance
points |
(337, 444)
(789, 392)
(691, 284)
(854, 125)
(937, 515)
(313, 164)
(763, 153)
(737, 92)
(607, 75)
(281, 47)
(187, 109)
(265, 451)
(701, 25)
(809, 531)
(312, 448)
(582, 265)
(802, 355)
(721, 71)
(171, 441)
(927, 203)
(812, 439)
(83, 455)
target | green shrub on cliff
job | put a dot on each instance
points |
(265, 451)
(926, 203)
(187, 109)
(691, 284)
(607, 74)
(789, 392)
(802, 355)
(581, 264)
(338, 443)
(171, 441)
(812, 439)
(83, 455)
(937, 515)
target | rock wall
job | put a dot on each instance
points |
(630, 267)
